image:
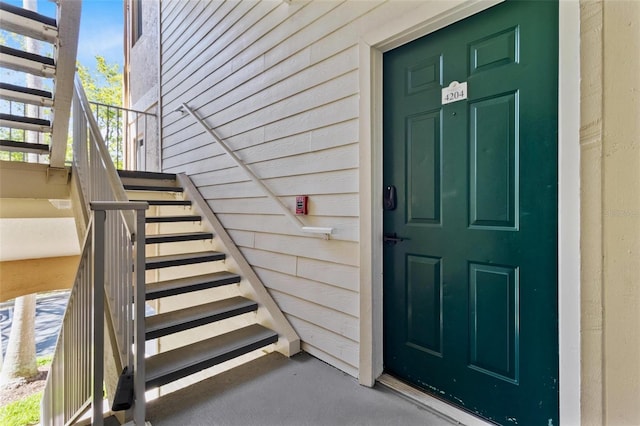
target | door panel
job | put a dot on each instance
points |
(470, 297)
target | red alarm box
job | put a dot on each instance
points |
(301, 204)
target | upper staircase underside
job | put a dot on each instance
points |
(43, 109)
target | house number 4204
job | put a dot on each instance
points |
(454, 93)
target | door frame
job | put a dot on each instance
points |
(424, 20)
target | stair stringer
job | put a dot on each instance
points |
(272, 317)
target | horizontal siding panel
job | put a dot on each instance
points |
(169, 8)
(323, 94)
(344, 252)
(331, 136)
(329, 359)
(326, 93)
(244, 13)
(172, 12)
(325, 115)
(243, 238)
(198, 12)
(324, 25)
(321, 294)
(257, 94)
(333, 321)
(338, 205)
(337, 346)
(278, 262)
(199, 164)
(221, 22)
(345, 229)
(210, 152)
(207, 64)
(231, 190)
(250, 149)
(339, 158)
(340, 275)
(219, 177)
(334, 182)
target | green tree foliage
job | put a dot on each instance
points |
(105, 85)
(104, 89)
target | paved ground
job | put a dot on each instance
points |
(274, 390)
(50, 309)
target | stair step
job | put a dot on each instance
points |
(189, 284)
(167, 202)
(181, 362)
(135, 174)
(173, 219)
(14, 146)
(152, 188)
(181, 259)
(26, 95)
(31, 63)
(183, 319)
(28, 23)
(178, 237)
(26, 123)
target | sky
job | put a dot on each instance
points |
(101, 29)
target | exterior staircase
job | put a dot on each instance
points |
(210, 308)
(62, 35)
(205, 315)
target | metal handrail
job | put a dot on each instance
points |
(293, 218)
(82, 108)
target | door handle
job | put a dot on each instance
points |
(392, 239)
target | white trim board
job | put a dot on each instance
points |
(427, 19)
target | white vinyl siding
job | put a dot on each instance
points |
(279, 82)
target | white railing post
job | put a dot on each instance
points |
(136, 330)
(98, 258)
(139, 336)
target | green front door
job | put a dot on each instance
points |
(470, 258)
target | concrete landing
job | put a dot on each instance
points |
(278, 391)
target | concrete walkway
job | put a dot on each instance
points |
(276, 391)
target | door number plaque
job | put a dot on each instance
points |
(454, 93)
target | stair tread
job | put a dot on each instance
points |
(27, 120)
(146, 175)
(170, 219)
(180, 259)
(166, 202)
(27, 90)
(180, 362)
(38, 148)
(178, 236)
(26, 55)
(152, 188)
(170, 322)
(187, 284)
(29, 14)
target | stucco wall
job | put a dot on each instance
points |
(621, 219)
(610, 139)
(143, 62)
(142, 83)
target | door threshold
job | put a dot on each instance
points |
(454, 414)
